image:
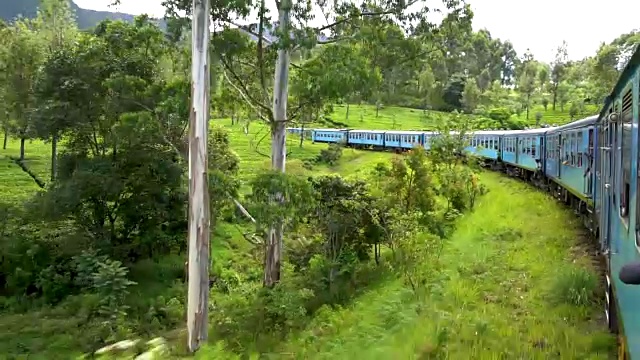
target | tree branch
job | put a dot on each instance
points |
(363, 14)
(244, 93)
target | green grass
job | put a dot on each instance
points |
(498, 294)
(390, 117)
(496, 299)
(556, 117)
(398, 118)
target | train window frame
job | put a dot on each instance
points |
(634, 120)
(533, 147)
(626, 117)
(572, 149)
(580, 146)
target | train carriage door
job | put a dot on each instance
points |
(559, 153)
(588, 164)
(606, 183)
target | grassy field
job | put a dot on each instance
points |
(398, 118)
(502, 294)
(505, 288)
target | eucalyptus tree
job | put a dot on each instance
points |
(288, 37)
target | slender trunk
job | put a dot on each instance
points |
(6, 140)
(347, 117)
(22, 141)
(199, 215)
(54, 157)
(274, 243)
(555, 97)
(301, 134)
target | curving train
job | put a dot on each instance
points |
(591, 164)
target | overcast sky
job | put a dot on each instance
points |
(539, 25)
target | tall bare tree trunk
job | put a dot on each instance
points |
(6, 139)
(54, 156)
(199, 218)
(22, 141)
(274, 243)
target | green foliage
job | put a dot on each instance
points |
(575, 286)
(100, 250)
(331, 154)
(279, 196)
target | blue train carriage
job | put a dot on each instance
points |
(300, 131)
(619, 220)
(529, 156)
(329, 135)
(366, 138)
(427, 137)
(486, 143)
(403, 140)
(569, 163)
(509, 148)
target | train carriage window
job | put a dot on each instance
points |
(576, 146)
(533, 147)
(625, 153)
(580, 149)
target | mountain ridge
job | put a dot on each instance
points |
(85, 18)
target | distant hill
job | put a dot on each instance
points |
(10, 9)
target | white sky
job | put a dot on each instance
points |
(539, 25)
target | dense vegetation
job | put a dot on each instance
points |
(92, 235)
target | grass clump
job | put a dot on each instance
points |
(576, 286)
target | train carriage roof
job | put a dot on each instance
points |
(537, 131)
(591, 120)
(628, 72)
(329, 130)
(490, 132)
(404, 132)
(367, 131)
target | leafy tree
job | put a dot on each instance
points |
(58, 27)
(22, 60)
(527, 83)
(471, 95)
(558, 71)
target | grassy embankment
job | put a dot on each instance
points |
(398, 118)
(500, 291)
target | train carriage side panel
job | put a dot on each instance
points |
(530, 148)
(329, 135)
(366, 138)
(621, 199)
(486, 143)
(568, 157)
(509, 155)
